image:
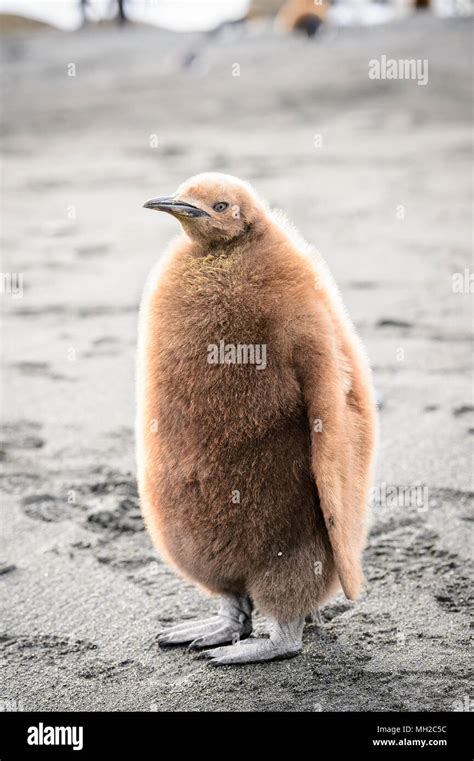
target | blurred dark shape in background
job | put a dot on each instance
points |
(120, 13)
(304, 16)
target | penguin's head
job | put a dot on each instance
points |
(213, 208)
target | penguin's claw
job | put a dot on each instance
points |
(251, 651)
(218, 630)
(233, 621)
(227, 633)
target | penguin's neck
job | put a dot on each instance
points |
(237, 246)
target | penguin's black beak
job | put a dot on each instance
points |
(176, 207)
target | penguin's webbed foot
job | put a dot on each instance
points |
(205, 633)
(233, 622)
(285, 641)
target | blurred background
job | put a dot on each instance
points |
(106, 105)
(186, 15)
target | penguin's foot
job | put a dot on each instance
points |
(285, 641)
(233, 622)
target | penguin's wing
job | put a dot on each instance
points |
(338, 397)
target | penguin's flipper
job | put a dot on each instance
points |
(339, 403)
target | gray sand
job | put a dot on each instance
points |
(84, 593)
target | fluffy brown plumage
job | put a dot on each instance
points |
(252, 480)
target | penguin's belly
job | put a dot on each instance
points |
(231, 456)
(224, 516)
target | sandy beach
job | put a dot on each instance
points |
(374, 173)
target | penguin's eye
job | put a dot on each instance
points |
(221, 206)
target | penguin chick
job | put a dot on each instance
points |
(255, 421)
